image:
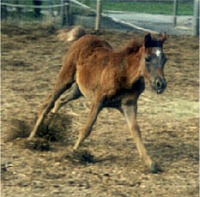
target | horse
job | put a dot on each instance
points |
(108, 78)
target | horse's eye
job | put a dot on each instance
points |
(148, 59)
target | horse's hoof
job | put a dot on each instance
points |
(155, 168)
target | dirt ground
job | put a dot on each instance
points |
(109, 164)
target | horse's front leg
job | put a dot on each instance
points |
(85, 132)
(130, 112)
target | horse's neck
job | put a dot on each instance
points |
(134, 66)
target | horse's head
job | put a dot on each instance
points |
(154, 62)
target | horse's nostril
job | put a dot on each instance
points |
(158, 84)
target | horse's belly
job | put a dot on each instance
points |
(88, 82)
(90, 72)
(84, 90)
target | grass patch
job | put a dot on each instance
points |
(145, 7)
(140, 7)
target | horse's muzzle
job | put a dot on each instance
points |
(159, 85)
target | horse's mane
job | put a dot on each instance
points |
(132, 47)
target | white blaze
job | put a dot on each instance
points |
(158, 52)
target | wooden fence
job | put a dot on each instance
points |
(63, 8)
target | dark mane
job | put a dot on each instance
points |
(132, 47)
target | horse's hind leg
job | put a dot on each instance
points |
(64, 82)
(74, 93)
(48, 105)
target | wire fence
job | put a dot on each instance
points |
(173, 16)
(33, 10)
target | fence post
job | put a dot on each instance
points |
(63, 16)
(175, 13)
(37, 10)
(68, 10)
(196, 18)
(98, 15)
(65, 13)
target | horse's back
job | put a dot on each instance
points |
(89, 43)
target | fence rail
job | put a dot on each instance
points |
(34, 6)
(67, 9)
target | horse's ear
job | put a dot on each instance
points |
(147, 40)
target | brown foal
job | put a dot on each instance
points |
(110, 79)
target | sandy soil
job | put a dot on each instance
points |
(109, 164)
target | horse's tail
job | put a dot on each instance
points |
(70, 35)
